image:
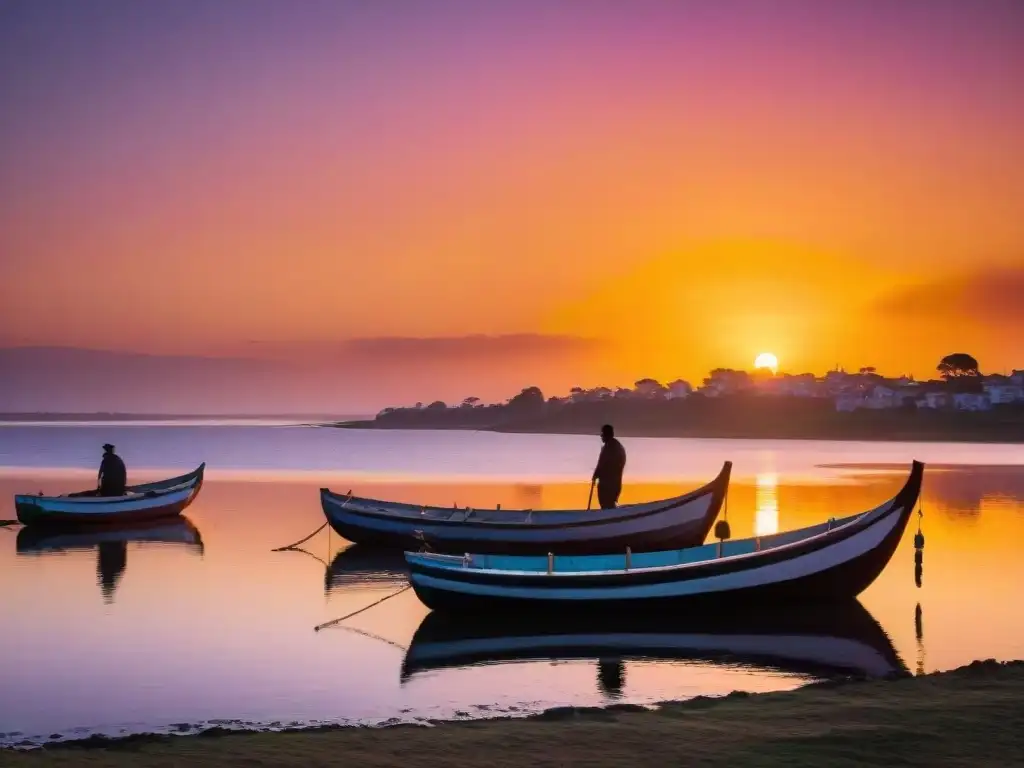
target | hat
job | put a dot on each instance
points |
(107, 447)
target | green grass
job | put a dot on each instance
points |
(971, 717)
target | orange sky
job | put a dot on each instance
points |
(688, 185)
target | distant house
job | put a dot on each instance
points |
(971, 401)
(1002, 393)
(882, 397)
(934, 399)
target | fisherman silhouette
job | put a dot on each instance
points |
(113, 476)
(610, 465)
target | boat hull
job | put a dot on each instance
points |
(830, 566)
(144, 503)
(672, 523)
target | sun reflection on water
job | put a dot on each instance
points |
(766, 500)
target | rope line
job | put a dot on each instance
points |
(319, 559)
(373, 636)
(365, 608)
(300, 541)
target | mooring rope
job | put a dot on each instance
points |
(364, 608)
(300, 541)
(319, 559)
(373, 636)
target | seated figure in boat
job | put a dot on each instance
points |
(113, 477)
(610, 465)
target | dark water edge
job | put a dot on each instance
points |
(227, 728)
(1011, 433)
(100, 739)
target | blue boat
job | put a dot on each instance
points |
(831, 561)
(143, 502)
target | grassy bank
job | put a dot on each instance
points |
(973, 716)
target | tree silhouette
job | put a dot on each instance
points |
(529, 398)
(437, 405)
(470, 402)
(957, 365)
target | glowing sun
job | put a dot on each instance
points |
(767, 360)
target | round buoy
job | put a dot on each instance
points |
(722, 529)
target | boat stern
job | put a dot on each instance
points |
(28, 509)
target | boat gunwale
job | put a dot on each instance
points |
(854, 524)
(718, 484)
(187, 482)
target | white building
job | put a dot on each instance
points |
(934, 399)
(971, 401)
(883, 397)
(999, 394)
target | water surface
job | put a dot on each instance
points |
(198, 622)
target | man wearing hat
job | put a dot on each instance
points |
(113, 476)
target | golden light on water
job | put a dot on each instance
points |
(766, 500)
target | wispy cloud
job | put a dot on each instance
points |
(993, 296)
(470, 347)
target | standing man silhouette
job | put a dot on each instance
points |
(113, 476)
(610, 465)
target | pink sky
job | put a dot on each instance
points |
(690, 183)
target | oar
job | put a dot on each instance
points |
(591, 497)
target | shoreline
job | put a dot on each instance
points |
(970, 715)
(671, 431)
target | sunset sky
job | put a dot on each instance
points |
(623, 189)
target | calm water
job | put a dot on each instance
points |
(202, 622)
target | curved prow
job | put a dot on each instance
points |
(722, 482)
(908, 496)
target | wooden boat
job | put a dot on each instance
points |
(834, 560)
(33, 540)
(835, 640)
(681, 521)
(147, 501)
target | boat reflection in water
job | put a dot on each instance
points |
(111, 544)
(824, 642)
(358, 565)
